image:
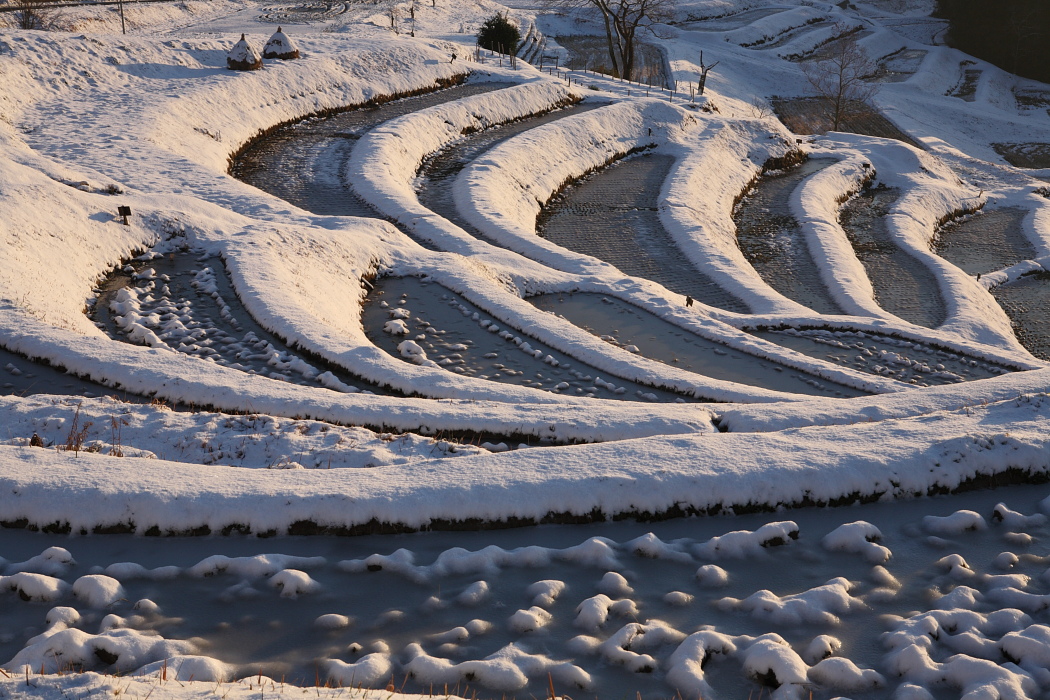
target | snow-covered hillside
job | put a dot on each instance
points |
(243, 364)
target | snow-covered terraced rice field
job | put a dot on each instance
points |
(635, 330)
(900, 65)
(387, 304)
(905, 360)
(311, 154)
(729, 21)
(428, 325)
(1025, 302)
(986, 242)
(612, 215)
(184, 301)
(435, 186)
(773, 243)
(903, 286)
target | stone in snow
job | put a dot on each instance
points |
(280, 46)
(243, 57)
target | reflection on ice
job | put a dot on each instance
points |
(628, 326)
(432, 326)
(604, 609)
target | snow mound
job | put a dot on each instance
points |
(97, 590)
(745, 543)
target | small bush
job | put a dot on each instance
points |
(499, 34)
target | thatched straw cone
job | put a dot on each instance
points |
(243, 57)
(280, 46)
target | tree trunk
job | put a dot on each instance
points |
(606, 14)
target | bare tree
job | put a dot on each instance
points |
(839, 79)
(704, 70)
(34, 14)
(623, 19)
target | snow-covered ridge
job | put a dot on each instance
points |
(891, 457)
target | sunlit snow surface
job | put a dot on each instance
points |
(362, 330)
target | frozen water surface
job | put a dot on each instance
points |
(905, 360)
(903, 285)
(402, 314)
(187, 303)
(772, 240)
(612, 215)
(548, 592)
(20, 376)
(625, 324)
(986, 242)
(1026, 302)
(993, 240)
(310, 155)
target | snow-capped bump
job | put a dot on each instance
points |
(243, 57)
(280, 46)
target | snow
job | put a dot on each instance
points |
(91, 120)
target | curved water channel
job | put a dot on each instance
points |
(993, 240)
(773, 242)
(607, 216)
(625, 325)
(903, 285)
(612, 215)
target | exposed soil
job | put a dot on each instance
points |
(1025, 155)
(808, 115)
